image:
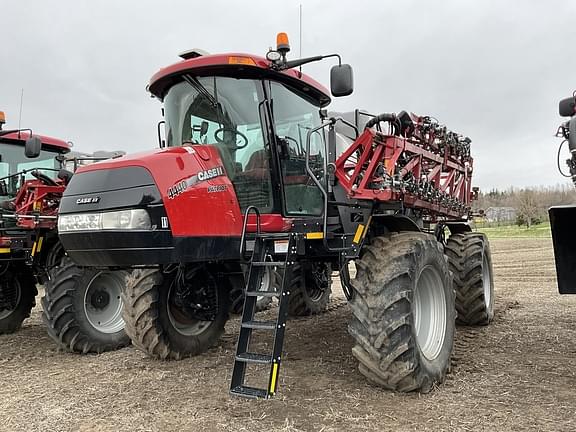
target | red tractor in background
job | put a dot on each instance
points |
(253, 171)
(80, 314)
(562, 217)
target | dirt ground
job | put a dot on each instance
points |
(517, 374)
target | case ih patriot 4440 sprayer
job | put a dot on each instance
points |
(253, 170)
(83, 311)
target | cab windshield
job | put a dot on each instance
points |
(229, 113)
(225, 112)
(13, 161)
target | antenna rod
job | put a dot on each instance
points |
(300, 35)
(20, 115)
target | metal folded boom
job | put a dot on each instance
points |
(419, 163)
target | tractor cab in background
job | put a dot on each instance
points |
(25, 157)
(30, 168)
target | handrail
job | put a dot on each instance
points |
(313, 176)
(331, 122)
(245, 224)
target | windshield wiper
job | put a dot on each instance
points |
(195, 84)
(200, 89)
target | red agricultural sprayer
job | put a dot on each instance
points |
(253, 172)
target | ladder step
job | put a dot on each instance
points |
(254, 358)
(269, 264)
(262, 293)
(262, 325)
(250, 392)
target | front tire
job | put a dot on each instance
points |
(403, 312)
(471, 262)
(159, 327)
(17, 298)
(83, 308)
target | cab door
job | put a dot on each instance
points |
(293, 118)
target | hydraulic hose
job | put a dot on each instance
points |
(385, 117)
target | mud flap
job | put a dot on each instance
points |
(563, 225)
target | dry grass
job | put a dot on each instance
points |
(518, 374)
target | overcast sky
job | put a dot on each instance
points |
(492, 70)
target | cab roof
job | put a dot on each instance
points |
(236, 65)
(48, 143)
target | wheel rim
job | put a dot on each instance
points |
(430, 312)
(182, 324)
(6, 313)
(486, 281)
(103, 302)
(319, 283)
(266, 283)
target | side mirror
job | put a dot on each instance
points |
(33, 147)
(566, 107)
(341, 80)
(161, 127)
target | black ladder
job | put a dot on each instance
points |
(265, 246)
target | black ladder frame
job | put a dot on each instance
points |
(264, 246)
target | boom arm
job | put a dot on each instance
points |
(417, 162)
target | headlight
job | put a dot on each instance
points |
(134, 219)
(126, 219)
(79, 222)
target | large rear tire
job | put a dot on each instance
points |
(83, 308)
(310, 287)
(159, 327)
(403, 312)
(17, 298)
(471, 262)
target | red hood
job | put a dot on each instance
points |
(136, 159)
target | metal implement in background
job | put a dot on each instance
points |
(562, 218)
